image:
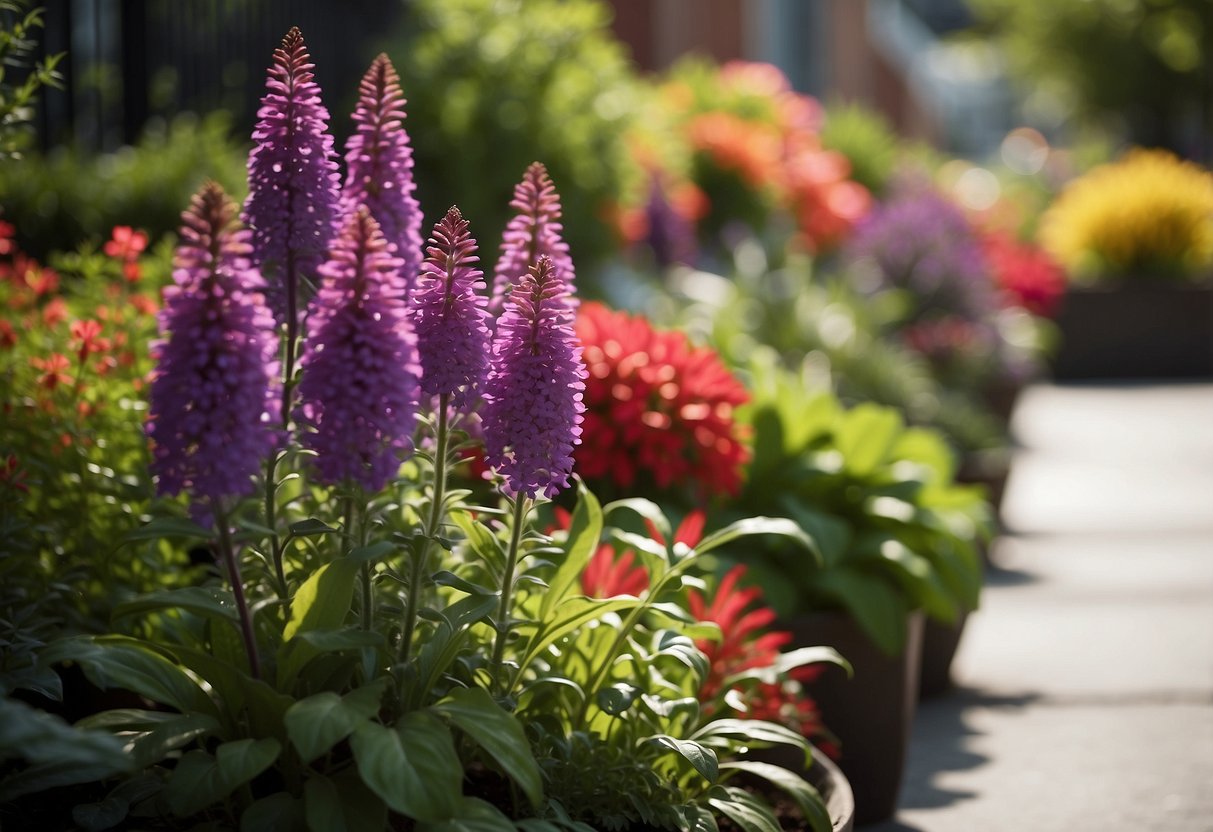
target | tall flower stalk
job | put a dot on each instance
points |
(533, 406)
(449, 316)
(214, 387)
(379, 167)
(293, 190)
(534, 231)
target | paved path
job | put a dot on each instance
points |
(1086, 679)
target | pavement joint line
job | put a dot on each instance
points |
(1144, 699)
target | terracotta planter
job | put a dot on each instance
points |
(939, 644)
(1136, 329)
(872, 712)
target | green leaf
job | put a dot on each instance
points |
(316, 724)
(311, 526)
(277, 812)
(206, 601)
(866, 435)
(475, 815)
(745, 810)
(61, 755)
(646, 510)
(96, 817)
(878, 607)
(168, 527)
(118, 662)
(153, 746)
(324, 599)
(349, 638)
(808, 799)
(702, 759)
(413, 767)
(574, 612)
(372, 552)
(780, 526)
(720, 733)
(342, 804)
(498, 733)
(585, 531)
(200, 780)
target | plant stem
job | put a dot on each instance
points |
(242, 608)
(420, 553)
(507, 585)
(271, 519)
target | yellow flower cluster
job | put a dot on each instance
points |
(1149, 212)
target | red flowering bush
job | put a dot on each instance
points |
(73, 357)
(659, 411)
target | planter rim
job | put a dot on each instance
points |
(840, 800)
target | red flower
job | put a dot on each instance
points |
(126, 244)
(8, 336)
(7, 246)
(53, 370)
(10, 469)
(86, 335)
(1028, 277)
(656, 407)
(55, 312)
(610, 573)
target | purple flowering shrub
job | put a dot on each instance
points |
(380, 653)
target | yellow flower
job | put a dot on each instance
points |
(1147, 212)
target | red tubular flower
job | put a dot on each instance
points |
(657, 407)
(126, 244)
(609, 574)
(86, 336)
(11, 472)
(53, 370)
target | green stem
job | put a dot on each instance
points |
(420, 553)
(271, 519)
(228, 552)
(507, 585)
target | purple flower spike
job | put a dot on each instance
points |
(533, 396)
(358, 396)
(213, 388)
(449, 313)
(379, 164)
(292, 175)
(534, 232)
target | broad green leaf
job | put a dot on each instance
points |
(722, 732)
(201, 600)
(745, 810)
(584, 533)
(153, 746)
(866, 435)
(878, 607)
(780, 526)
(62, 755)
(348, 638)
(413, 767)
(105, 814)
(574, 612)
(914, 572)
(702, 759)
(117, 662)
(808, 799)
(277, 812)
(498, 733)
(342, 804)
(200, 780)
(475, 815)
(372, 552)
(324, 599)
(311, 526)
(316, 724)
(168, 527)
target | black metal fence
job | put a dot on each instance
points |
(131, 60)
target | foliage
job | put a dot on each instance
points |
(67, 197)
(73, 355)
(1148, 214)
(17, 48)
(895, 531)
(868, 142)
(373, 659)
(1141, 61)
(500, 83)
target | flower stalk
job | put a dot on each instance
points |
(521, 508)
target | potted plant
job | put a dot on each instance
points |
(379, 650)
(1136, 237)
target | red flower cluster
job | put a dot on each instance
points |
(656, 407)
(607, 575)
(1026, 274)
(126, 245)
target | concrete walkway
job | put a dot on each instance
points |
(1086, 679)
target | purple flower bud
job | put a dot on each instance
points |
(534, 232)
(533, 396)
(379, 165)
(292, 175)
(358, 396)
(214, 384)
(449, 313)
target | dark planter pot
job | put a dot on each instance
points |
(939, 644)
(1136, 330)
(870, 713)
